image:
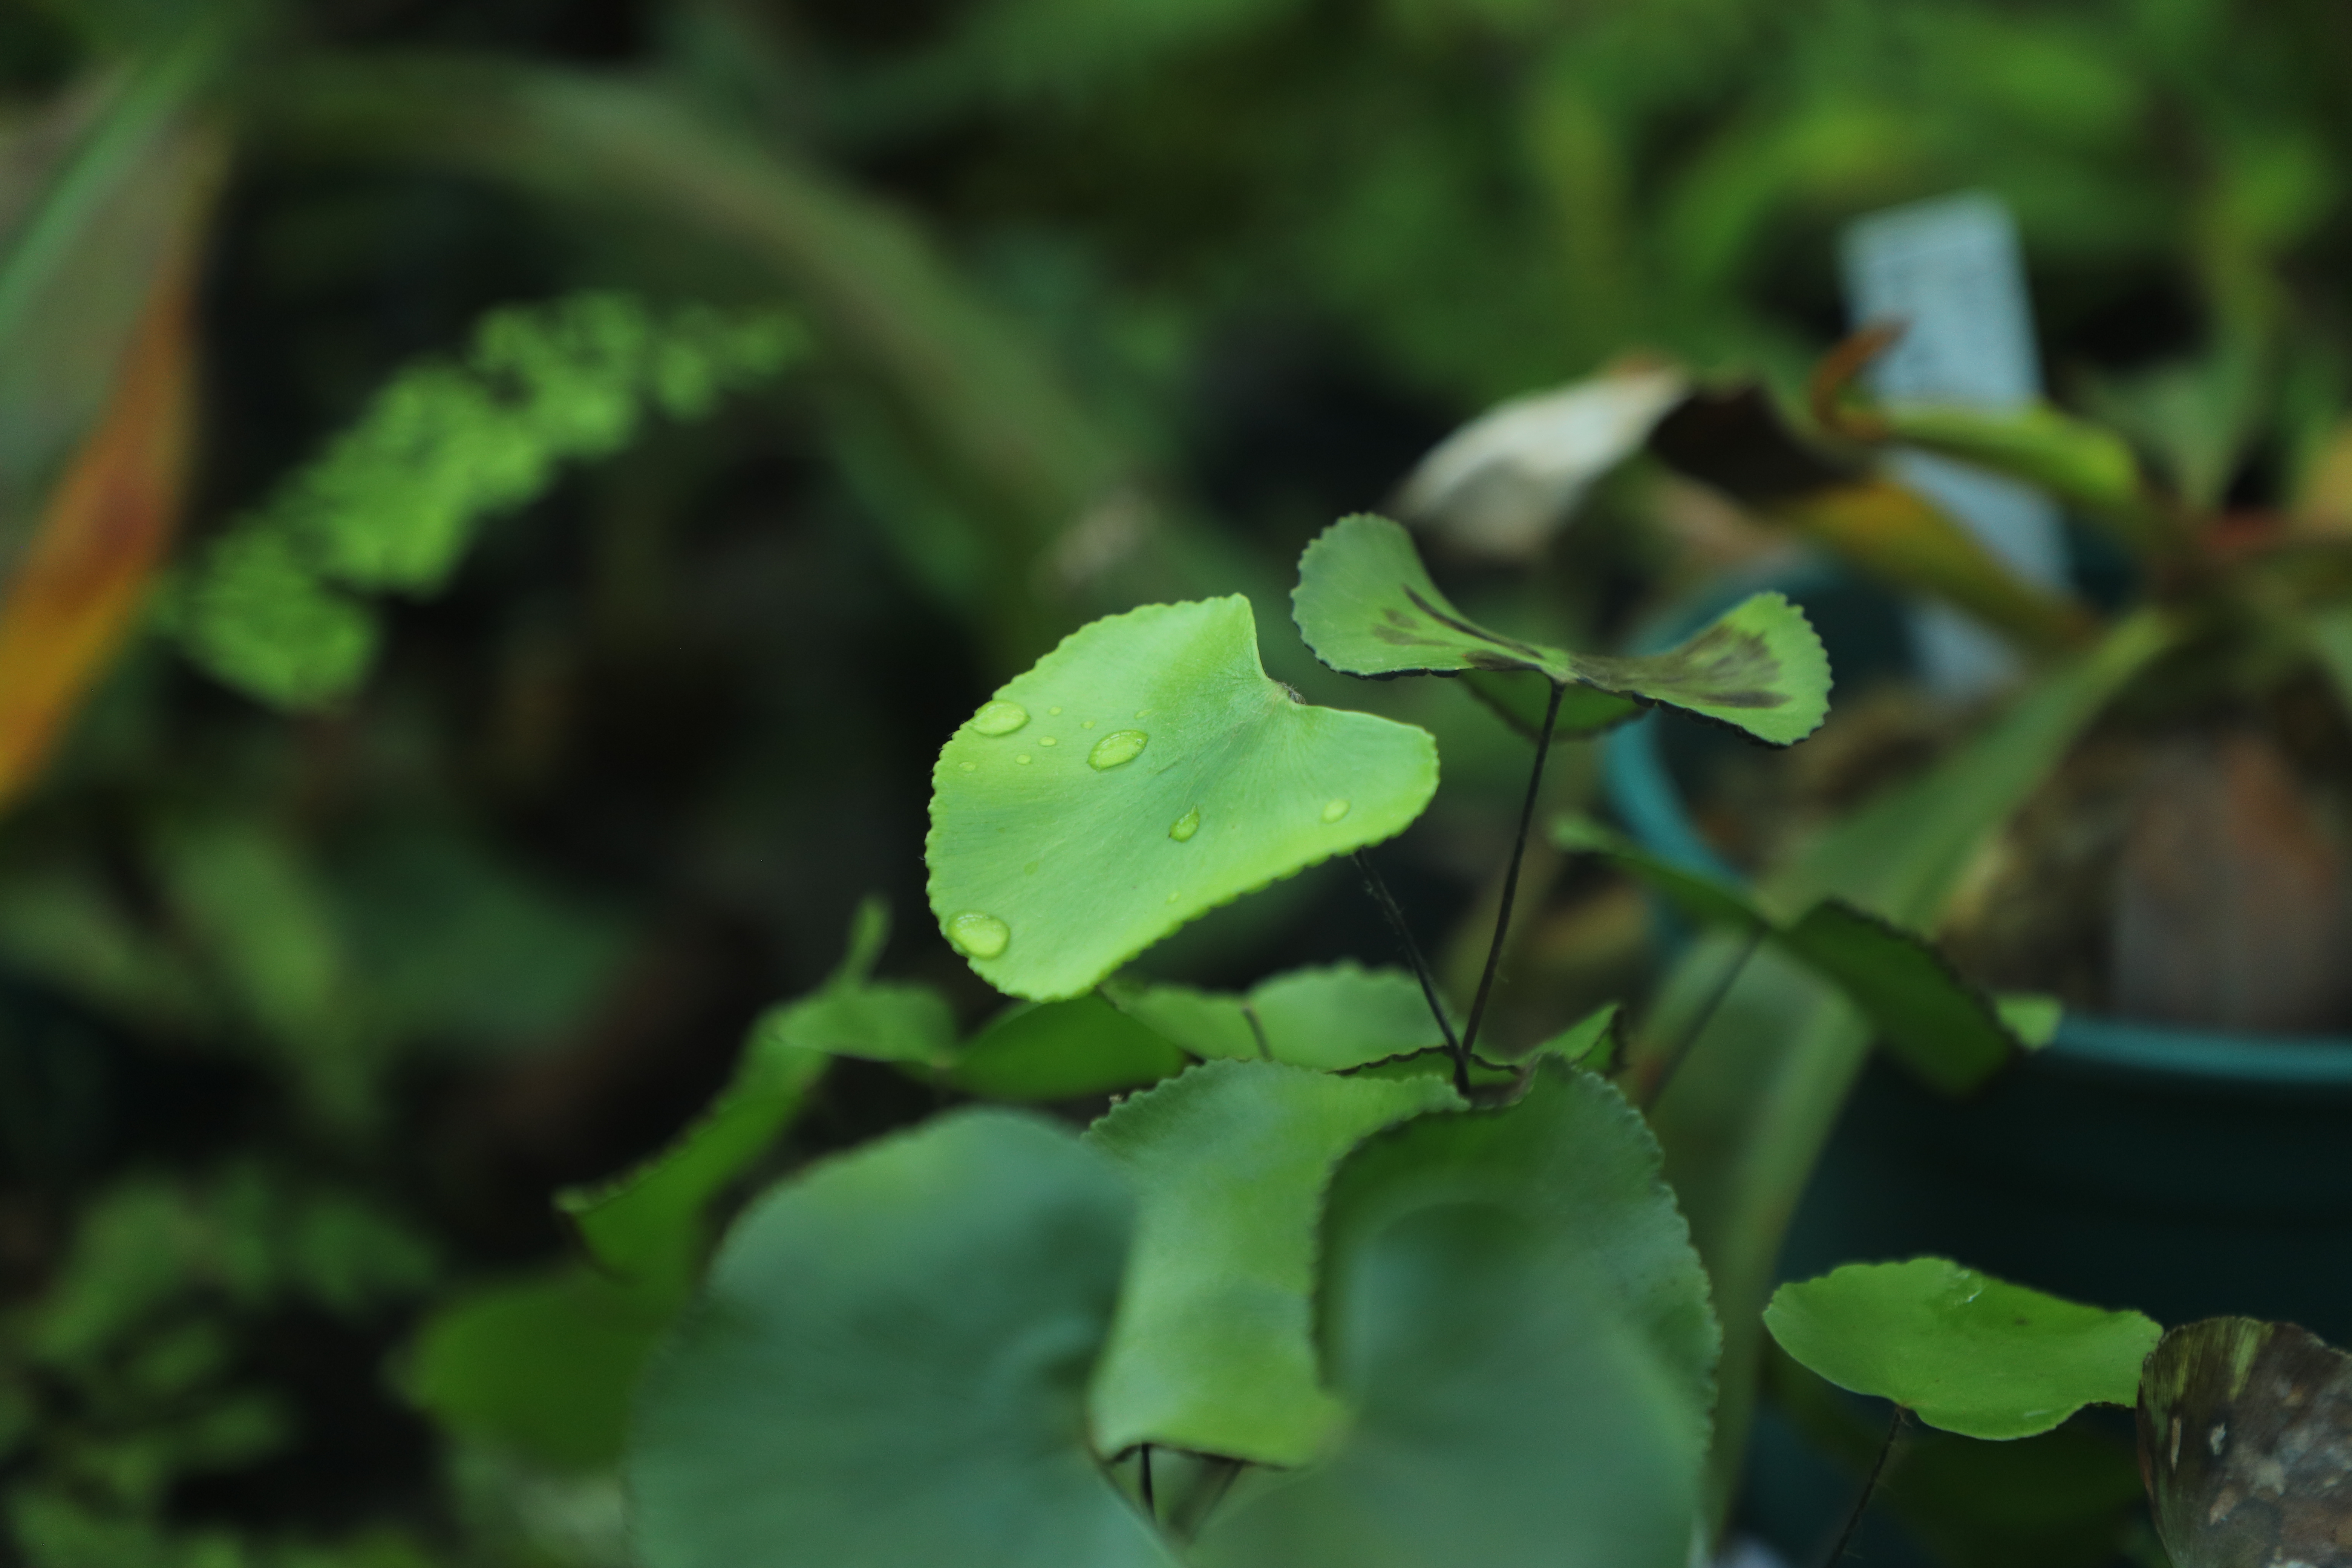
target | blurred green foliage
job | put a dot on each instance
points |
(303, 1020)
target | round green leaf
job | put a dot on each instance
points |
(1502, 1413)
(2243, 1429)
(1576, 1159)
(1214, 1350)
(890, 1367)
(1962, 1350)
(1366, 606)
(1142, 773)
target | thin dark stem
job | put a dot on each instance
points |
(1386, 902)
(1698, 1026)
(1151, 1503)
(1869, 1485)
(1511, 876)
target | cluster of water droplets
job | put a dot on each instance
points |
(982, 935)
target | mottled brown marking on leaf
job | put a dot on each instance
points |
(2273, 1480)
(1721, 668)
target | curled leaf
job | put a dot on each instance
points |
(1965, 1352)
(1366, 606)
(1502, 484)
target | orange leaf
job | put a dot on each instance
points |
(77, 589)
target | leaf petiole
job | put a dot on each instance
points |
(1511, 878)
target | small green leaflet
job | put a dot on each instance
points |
(1141, 774)
(890, 1366)
(1938, 1024)
(2245, 1427)
(1214, 1350)
(1367, 606)
(1962, 1350)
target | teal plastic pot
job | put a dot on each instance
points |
(2185, 1173)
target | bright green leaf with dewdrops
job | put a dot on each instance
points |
(1060, 1050)
(1141, 774)
(1574, 1157)
(1496, 1346)
(890, 1366)
(1366, 606)
(1962, 1350)
(1334, 1018)
(1214, 1349)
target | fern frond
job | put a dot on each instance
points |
(392, 503)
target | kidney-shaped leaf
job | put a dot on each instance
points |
(1366, 606)
(1962, 1350)
(1141, 774)
(1508, 1404)
(2245, 1428)
(1214, 1350)
(890, 1366)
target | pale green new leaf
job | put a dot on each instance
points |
(890, 1367)
(1214, 1350)
(1143, 773)
(1335, 1018)
(2085, 466)
(1962, 1350)
(1366, 606)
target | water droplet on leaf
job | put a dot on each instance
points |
(1334, 810)
(979, 935)
(1000, 718)
(1086, 723)
(1052, 710)
(1186, 826)
(969, 767)
(1021, 758)
(1047, 741)
(1118, 746)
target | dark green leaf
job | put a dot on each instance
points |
(1142, 773)
(890, 1366)
(1214, 1351)
(1579, 1161)
(546, 1365)
(1367, 606)
(1517, 1362)
(1965, 1352)
(1060, 1050)
(1940, 1027)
